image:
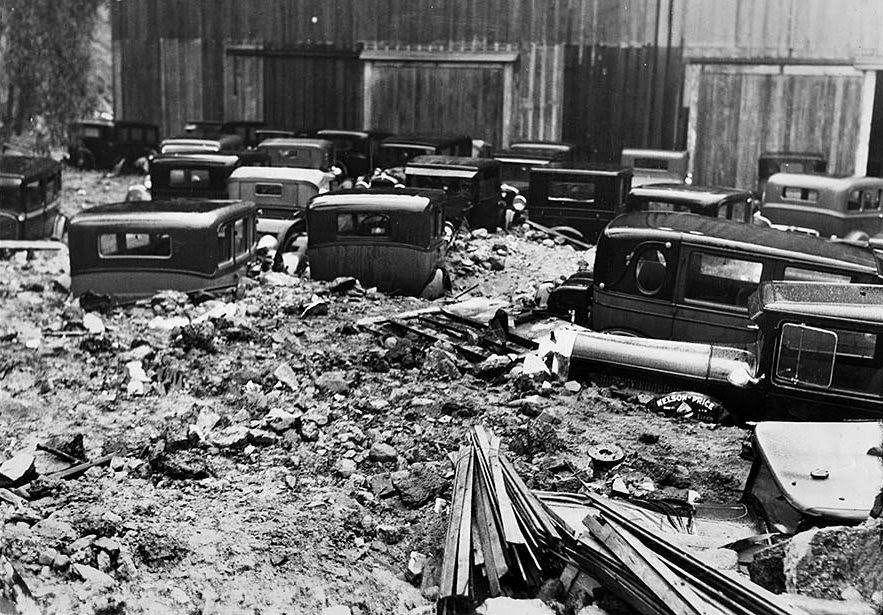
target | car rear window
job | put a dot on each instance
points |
(363, 225)
(134, 245)
(794, 193)
(268, 189)
(660, 164)
(572, 191)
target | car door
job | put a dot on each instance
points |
(640, 301)
(712, 296)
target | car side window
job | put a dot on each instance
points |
(225, 242)
(739, 211)
(721, 279)
(855, 200)
(240, 237)
(871, 199)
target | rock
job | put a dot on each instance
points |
(648, 438)
(277, 278)
(47, 556)
(767, 568)
(81, 543)
(343, 285)
(111, 546)
(479, 233)
(494, 365)
(103, 561)
(206, 421)
(572, 387)
(286, 375)
(54, 530)
(309, 431)
(390, 534)
(280, 420)
(535, 368)
(61, 561)
(381, 486)
(17, 470)
(345, 467)
(333, 382)
(259, 437)
(530, 406)
(316, 307)
(62, 283)
(507, 606)
(441, 364)
(93, 324)
(414, 569)
(496, 263)
(337, 609)
(826, 562)
(234, 436)
(96, 578)
(419, 486)
(138, 353)
(382, 452)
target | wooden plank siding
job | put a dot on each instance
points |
(540, 85)
(181, 82)
(742, 112)
(617, 97)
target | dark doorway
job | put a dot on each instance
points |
(875, 145)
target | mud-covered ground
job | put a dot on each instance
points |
(240, 487)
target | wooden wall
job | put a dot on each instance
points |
(617, 97)
(742, 111)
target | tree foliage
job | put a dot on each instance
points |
(47, 60)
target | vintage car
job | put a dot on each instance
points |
(727, 203)
(245, 129)
(688, 277)
(191, 176)
(186, 144)
(126, 251)
(815, 355)
(391, 239)
(30, 194)
(814, 474)
(280, 194)
(653, 166)
(577, 202)
(262, 134)
(301, 153)
(207, 129)
(572, 154)
(516, 165)
(101, 144)
(397, 150)
(771, 163)
(355, 151)
(835, 207)
(472, 186)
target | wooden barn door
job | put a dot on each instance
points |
(742, 111)
(312, 88)
(180, 83)
(410, 93)
(243, 84)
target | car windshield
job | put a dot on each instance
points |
(454, 186)
(517, 171)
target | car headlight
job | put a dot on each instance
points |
(519, 203)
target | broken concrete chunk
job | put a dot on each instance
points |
(111, 546)
(16, 470)
(98, 579)
(382, 452)
(280, 420)
(234, 436)
(414, 569)
(333, 382)
(286, 376)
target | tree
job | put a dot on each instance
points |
(47, 60)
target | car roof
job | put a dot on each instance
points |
(686, 193)
(787, 154)
(314, 176)
(654, 153)
(459, 162)
(182, 213)
(340, 132)
(827, 182)
(792, 451)
(717, 232)
(423, 140)
(217, 160)
(527, 155)
(378, 199)
(186, 139)
(24, 167)
(298, 142)
(604, 170)
(94, 122)
(854, 302)
(559, 146)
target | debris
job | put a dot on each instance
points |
(688, 405)
(234, 436)
(382, 452)
(343, 285)
(333, 382)
(316, 307)
(17, 470)
(138, 378)
(99, 580)
(280, 420)
(572, 387)
(605, 456)
(648, 438)
(337, 609)
(345, 467)
(286, 375)
(441, 364)
(93, 324)
(505, 605)
(414, 569)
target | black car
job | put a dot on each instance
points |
(101, 144)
